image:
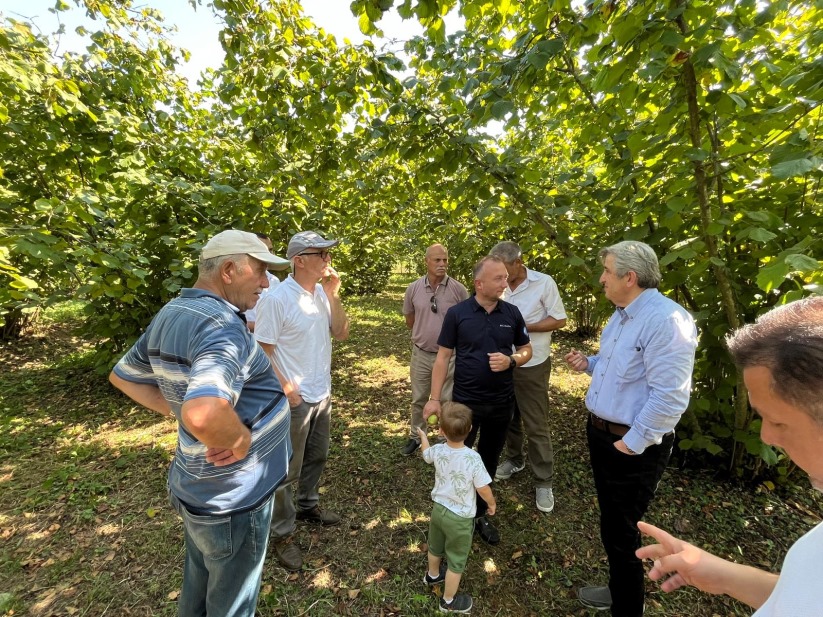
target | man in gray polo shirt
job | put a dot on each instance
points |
(425, 304)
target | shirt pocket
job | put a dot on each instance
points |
(629, 365)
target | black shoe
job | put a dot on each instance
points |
(598, 598)
(410, 447)
(488, 532)
(439, 578)
(319, 515)
(462, 603)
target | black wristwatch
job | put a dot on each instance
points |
(512, 363)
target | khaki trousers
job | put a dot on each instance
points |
(531, 422)
(420, 371)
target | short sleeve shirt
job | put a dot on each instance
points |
(537, 297)
(197, 346)
(418, 301)
(473, 334)
(459, 472)
(298, 323)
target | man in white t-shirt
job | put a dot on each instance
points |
(538, 299)
(295, 325)
(781, 356)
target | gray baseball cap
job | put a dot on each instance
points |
(236, 242)
(308, 240)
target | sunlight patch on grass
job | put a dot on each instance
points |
(489, 567)
(376, 577)
(372, 524)
(108, 529)
(404, 518)
(323, 579)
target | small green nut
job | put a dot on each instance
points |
(432, 420)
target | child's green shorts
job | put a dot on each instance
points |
(450, 536)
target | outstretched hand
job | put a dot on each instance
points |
(683, 563)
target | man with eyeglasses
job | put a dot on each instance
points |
(295, 325)
(425, 304)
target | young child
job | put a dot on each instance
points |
(459, 472)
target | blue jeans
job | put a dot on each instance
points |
(224, 561)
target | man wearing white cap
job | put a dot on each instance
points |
(251, 315)
(295, 325)
(198, 362)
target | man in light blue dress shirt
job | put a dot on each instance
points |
(641, 380)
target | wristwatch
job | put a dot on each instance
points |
(512, 362)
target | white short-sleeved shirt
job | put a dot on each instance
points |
(298, 324)
(537, 297)
(251, 314)
(796, 593)
(459, 472)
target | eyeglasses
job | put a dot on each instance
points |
(323, 254)
(433, 302)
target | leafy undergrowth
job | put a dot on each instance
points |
(85, 528)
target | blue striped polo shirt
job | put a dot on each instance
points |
(197, 346)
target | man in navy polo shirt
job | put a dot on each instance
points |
(489, 339)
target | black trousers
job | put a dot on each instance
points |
(492, 422)
(625, 487)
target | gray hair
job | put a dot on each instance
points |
(788, 341)
(208, 267)
(478, 267)
(508, 251)
(637, 257)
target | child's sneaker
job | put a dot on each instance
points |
(437, 579)
(462, 603)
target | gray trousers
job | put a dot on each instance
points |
(531, 421)
(310, 433)
(420, 371)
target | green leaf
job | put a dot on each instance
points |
(772, 276)
(802, 263)
(790, 169)
(501, 108)
(761, 235)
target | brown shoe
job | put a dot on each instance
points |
(288, 554)
(319, 515)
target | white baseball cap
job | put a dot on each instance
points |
(236, 242)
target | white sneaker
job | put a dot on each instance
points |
(545, 499)
(507, 469)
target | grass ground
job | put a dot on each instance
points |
(85, 528)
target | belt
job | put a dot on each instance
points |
(609, 427)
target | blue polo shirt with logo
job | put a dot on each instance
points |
(472, 334)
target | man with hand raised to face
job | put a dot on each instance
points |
(489, 340)
(295, 325)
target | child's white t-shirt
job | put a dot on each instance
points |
(458, 473)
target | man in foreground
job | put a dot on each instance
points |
(641, 380)
(198, 362)
(538, 299)
(425, 304)
(489, 339)
(295, 325)
(781, 356)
